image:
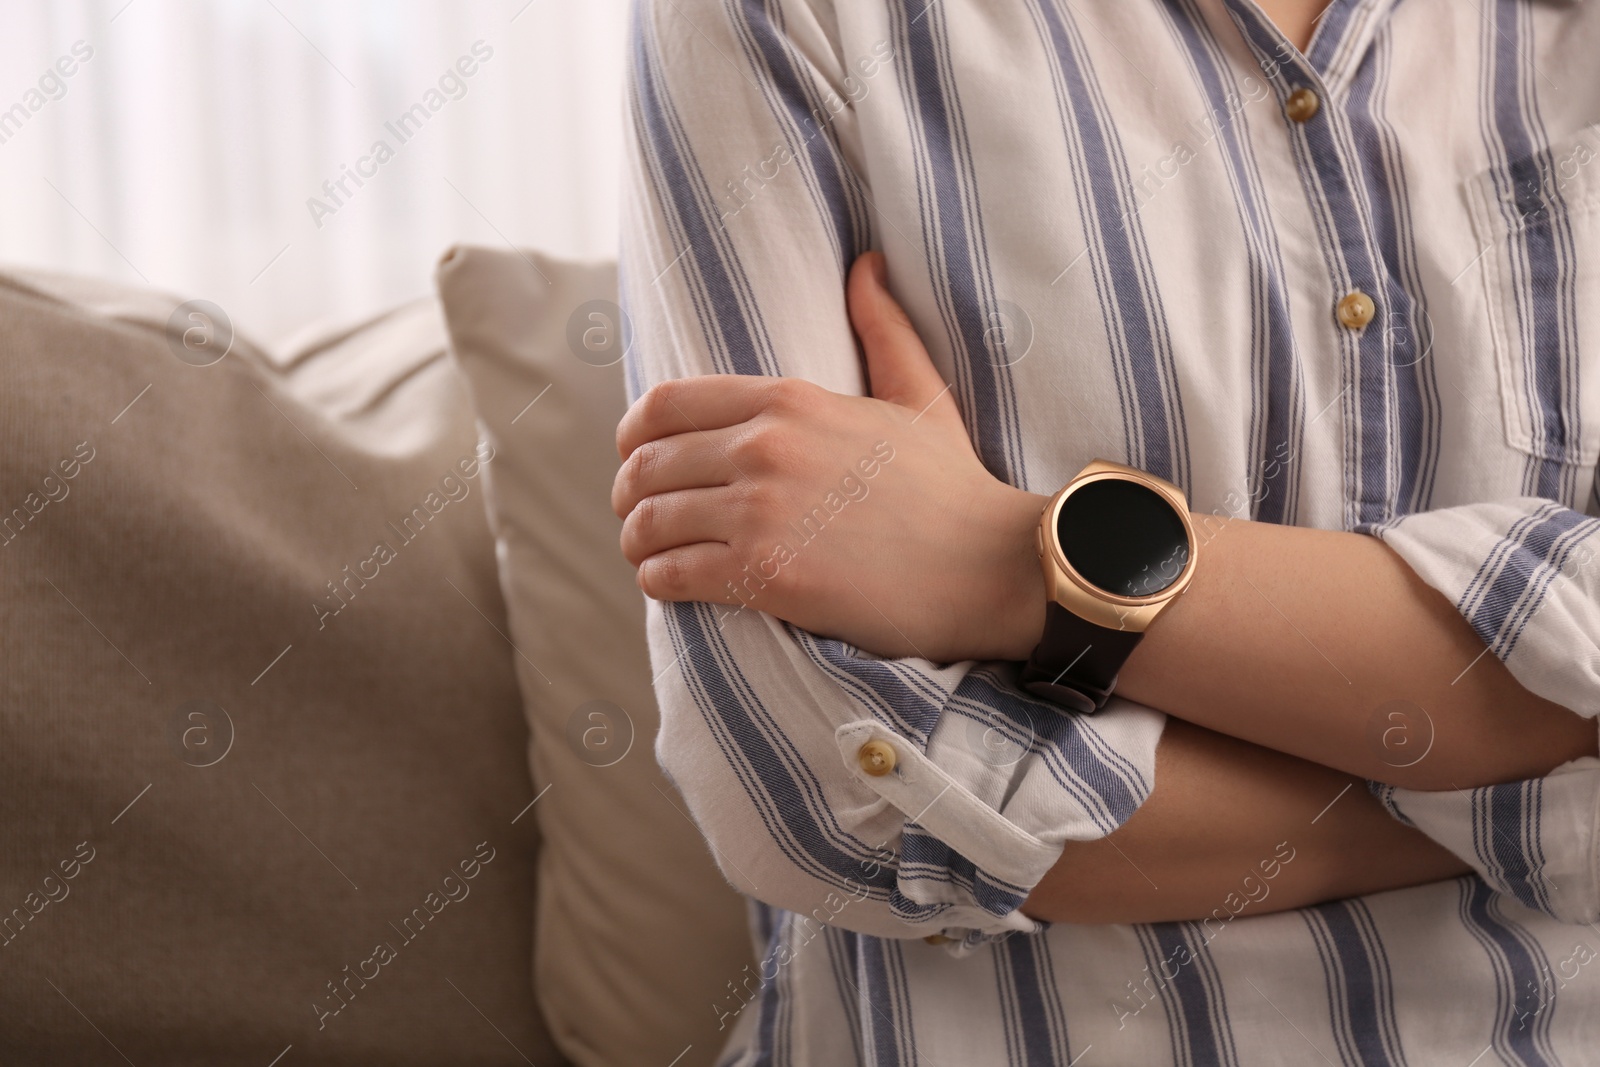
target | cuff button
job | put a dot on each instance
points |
(877, 758)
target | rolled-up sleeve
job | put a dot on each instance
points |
(1523, 572)
(893, 797)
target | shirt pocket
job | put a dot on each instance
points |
(1537, 221)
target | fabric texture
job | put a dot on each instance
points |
(1119, 239)
(639, 937)
(258, 776)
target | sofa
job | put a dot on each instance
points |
(326, 728)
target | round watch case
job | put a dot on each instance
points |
(1125, 529)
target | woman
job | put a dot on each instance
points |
(1342, 297)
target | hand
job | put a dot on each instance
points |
(867, 519)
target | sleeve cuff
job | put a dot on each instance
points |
(1003, 782)
(1536, 841)
(1522, 573)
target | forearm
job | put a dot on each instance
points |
(1325, 645)
(1233, 828)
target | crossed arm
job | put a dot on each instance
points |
(1272, 666)
(1281, 669)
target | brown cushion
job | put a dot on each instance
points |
(638, 934)
(179, 887)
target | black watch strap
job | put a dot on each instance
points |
(1076, 662)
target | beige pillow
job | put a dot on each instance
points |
(638, 935)
(214, 796)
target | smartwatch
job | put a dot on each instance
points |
(1117, 547)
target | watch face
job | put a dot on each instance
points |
(1122, 537)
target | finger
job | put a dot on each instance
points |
(670, 520)
(692, 572)
(681, 405)
(683, 461)
(899, 368)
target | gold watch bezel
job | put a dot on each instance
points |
(1074, 592)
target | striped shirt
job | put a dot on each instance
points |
(1126, 230)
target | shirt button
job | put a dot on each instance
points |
(1302, 104)
(877, 758)
(1356, 310)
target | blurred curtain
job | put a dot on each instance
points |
(189, 144)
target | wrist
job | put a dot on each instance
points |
(1014, 621)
